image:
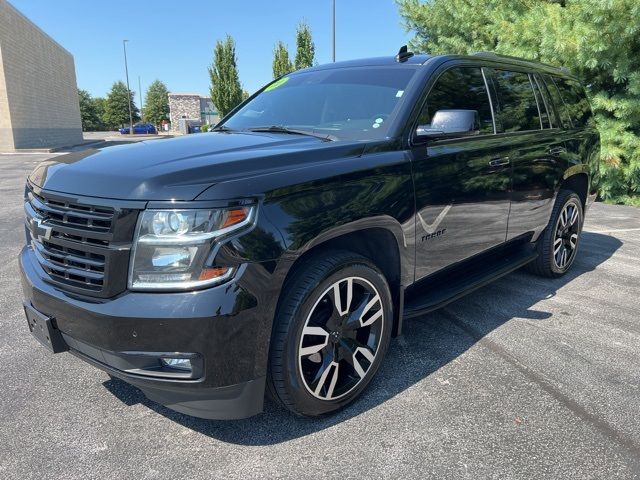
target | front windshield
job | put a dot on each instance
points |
(356, 103)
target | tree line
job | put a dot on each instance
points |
(112, 112)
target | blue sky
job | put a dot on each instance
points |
(173, 41)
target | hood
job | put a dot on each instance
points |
(180, 168)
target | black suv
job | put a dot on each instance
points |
(280, 252)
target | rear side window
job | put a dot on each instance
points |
(554, 93)
(459, 88)
(517, 106)
(575, 100)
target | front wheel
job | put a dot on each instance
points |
(332, 331)
(558, 244)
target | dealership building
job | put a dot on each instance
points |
(38, 92)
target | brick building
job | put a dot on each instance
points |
(38, 93)
(191, 106)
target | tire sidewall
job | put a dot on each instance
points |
(306, 403)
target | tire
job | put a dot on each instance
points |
(325, 352)
(562, 234)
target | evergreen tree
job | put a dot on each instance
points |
(281, 63)
(598, 41)
(156, 103)
(305, 49)
(116, 111)
(226, 91)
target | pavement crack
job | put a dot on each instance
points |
(602, 426)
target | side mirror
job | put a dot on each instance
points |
(450, 123)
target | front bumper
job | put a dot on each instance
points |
(228, 328)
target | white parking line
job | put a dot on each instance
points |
(614, 230)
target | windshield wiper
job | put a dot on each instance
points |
(222, 128)
(295, 131)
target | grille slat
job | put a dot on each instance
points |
(77, 244)
(67, 214)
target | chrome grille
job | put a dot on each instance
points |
(81, 246)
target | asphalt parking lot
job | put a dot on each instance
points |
(525, 378)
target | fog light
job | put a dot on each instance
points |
(177, 363)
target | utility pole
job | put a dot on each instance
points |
(126, 70)
(334, 31)
(141, 109)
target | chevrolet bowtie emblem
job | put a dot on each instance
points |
(40, 231)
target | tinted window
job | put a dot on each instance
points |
(543, 108)
(558, 103)
(352, 103)
(575, 101)
(517, 106)
(459, 88)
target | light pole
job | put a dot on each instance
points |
(334, 31)
(141, 109)
(126, 70)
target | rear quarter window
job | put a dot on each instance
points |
(575, 101)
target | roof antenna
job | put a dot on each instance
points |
(403, 55)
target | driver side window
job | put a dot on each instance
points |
(459, 88)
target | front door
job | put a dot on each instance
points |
(462, 184)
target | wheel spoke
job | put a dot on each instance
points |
(563, 257)
(573, 240)
(329, 374)
(563, 218)
(557, 245)
(315, 348)
(366, 353)
(337, 297)
(574, 215)
(376, 315)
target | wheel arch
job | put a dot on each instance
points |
(377, 243)
(577, 181)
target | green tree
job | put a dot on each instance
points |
(89, 114)
(281, 63)
(305, 49)
(598, 41)
(116, 110)
(100, 105)
(156, 103)
(226, 91)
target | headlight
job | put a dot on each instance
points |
(172, 247)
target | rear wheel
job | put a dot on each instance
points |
(332, 331)
(558, 244)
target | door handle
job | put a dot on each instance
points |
(499, 162)
(557, 150)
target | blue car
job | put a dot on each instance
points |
(140, 128)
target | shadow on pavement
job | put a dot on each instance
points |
(426, 345)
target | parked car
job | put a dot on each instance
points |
(283, 251)
(140, 129)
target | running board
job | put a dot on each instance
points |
(442, 288)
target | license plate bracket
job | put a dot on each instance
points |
(43, 328)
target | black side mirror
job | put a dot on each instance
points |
(450, 123)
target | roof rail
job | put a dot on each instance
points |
(510, 57)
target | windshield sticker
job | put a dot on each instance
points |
(376, 125)
(399, 94)
(277, 84)
(379, 120)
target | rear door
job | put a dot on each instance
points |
(536, 147)
(461, 184)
